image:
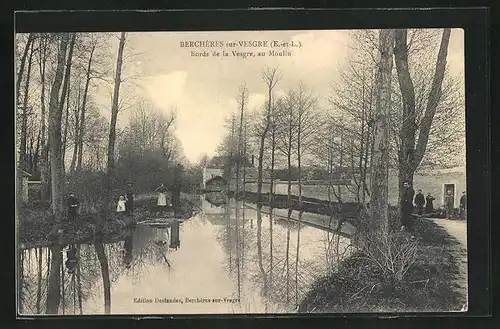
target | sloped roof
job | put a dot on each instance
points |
(215, 179)
(23, 172)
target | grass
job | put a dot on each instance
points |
(357, 285)
(36, 223)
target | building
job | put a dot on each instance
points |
(436, 182)
(215, 184)
(22, 187)
(213, 173)
(34, 190)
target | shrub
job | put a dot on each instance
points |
(393, 254)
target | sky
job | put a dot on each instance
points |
(204, 89)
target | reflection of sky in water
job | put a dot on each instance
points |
(205, 266)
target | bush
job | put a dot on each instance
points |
(392, 255)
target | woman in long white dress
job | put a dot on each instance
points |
(162, 196)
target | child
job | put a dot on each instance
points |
(121, 205)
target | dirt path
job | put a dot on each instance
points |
(458, 229)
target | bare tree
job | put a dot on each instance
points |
(24, 113)
(271, 77)
(114, 115)
(412, 150)
(380, 165)
(22, 63)
(55, 116)
(286, 123)
(242, 103)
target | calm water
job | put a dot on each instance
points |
(228, 261)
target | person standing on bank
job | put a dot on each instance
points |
(162, 197)
(407, 206)
(463, 206)
(73, 205)
(129, 198)
(429, 207)
(120, 208)
(419, 202)
(449, 203)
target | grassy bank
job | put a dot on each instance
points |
(357, 285)
(36, 223)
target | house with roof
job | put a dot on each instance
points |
(214, 174)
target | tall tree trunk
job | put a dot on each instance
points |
(55, 116)
(76, 131)
(24, 119)
(411, 151)
(20, 73)
(84, 108)
(103, 261)
(240, 135)
(229, 162)
(289, 160)
(114, 115)
(273, 150)
(65, 97)
(44, 160)
(271, 78)
(380, 165)
(65, 137)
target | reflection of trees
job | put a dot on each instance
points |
(259, 248)
(54, 294)
(46, 287)
(281, 273)
(103, 260)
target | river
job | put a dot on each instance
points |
(230, 258)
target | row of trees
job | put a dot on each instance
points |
(407, 118)
(66, 134)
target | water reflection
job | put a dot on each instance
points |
(224, 266)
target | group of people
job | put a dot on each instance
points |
(420, 201)
(165, 200)
(126, 202)
(424, 205)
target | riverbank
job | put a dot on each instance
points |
(36, 224)
(348, 210)
(429, 285)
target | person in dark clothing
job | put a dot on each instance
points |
(407, 206)
(463, 206)
(73, 205)
(129, 198)
(419, 202)
(429, 207)
(71, 260)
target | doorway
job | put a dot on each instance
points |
(449, 188)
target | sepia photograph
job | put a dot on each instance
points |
(240, 172)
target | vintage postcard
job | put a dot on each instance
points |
(241, 172)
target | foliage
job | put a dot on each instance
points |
(359, 285)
